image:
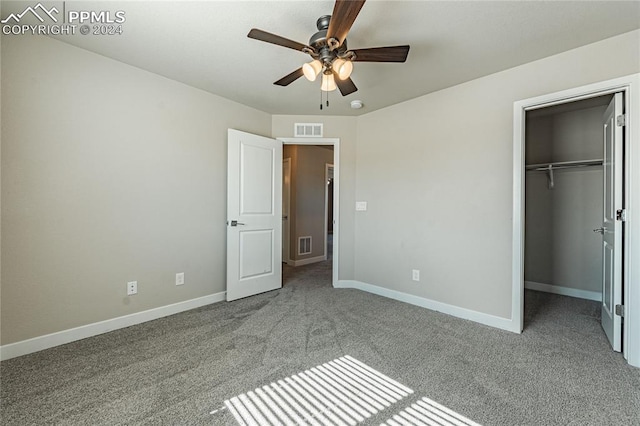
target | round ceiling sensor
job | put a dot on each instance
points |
(356, 104)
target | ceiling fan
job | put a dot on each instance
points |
(328, 48)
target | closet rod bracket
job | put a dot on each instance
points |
(550, 182)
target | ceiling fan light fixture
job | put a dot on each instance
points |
(328, 83)
(343, 68)
(312, 69)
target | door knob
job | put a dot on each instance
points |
(236, 223)
(600, 230)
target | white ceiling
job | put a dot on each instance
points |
(204, 44)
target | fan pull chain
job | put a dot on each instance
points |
(321, 97)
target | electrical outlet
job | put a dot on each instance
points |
(132, 287)
(416, 274)
(180, 278)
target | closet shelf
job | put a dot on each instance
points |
(543, 167)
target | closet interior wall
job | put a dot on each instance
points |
(561, 248)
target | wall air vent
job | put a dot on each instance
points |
(304, 245)
(307, 130)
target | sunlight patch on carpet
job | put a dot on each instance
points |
(341, 392)
(428, 413)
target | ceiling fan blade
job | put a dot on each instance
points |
(344, 13)
(346, 87)
(382, 54)
(276, 39)
(290, 78)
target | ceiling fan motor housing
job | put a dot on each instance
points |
(323, 51)
(318, 40)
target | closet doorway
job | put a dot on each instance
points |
(565, 180)
(573, 189)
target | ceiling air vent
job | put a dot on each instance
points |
(307, 130)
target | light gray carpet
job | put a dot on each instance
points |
(176, 370)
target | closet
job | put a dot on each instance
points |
(564, 198)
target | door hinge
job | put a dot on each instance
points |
(621, 120)
(620, 310)
(621, 215)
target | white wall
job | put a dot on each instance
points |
(109, 174)
(437, 174)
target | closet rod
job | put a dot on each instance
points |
(564, 164)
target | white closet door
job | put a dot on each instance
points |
(612, 227)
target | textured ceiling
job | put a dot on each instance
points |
(205, 44)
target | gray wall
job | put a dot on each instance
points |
(561, 248)
(109, 174)
(538, 206)
(437, 174)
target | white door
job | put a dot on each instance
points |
(254, 214)
(612, 227)
(286, 199)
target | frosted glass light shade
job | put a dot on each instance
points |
(343, 68)
(328, 83)
(311, 69)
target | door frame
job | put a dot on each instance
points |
(288, 260)
(630, 86)
(336, 194)
(327, 167)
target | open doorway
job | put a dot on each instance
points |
(568, 271)
(310, 208)
(619, 173)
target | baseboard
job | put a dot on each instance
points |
(47, 341)
(308, 261)
(475, 316)
(564, 291)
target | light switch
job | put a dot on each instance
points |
(361, 206)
